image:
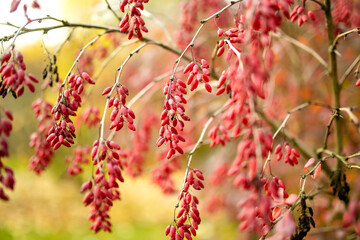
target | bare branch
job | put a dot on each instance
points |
(302, 46)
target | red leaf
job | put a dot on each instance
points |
(309, 163)
(317, 172)
(276, 213)
(14, 5)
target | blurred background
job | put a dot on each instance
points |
(50, 206)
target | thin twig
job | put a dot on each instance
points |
(298, 108)
(79, 55)
(197, 144)
(342, 159)
(105, 63)
(349, 70)
(327, 134)
(160, 24)
(109, 29)
(302, 46)
(115, 85)
(342, 35)
(304, 152)
(352, 116)
(203, 22)
(16, 34)
(112, 10)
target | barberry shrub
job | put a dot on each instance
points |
(267, 87)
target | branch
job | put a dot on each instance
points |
(333, 75)
(352, 116)
(342, 159)
(353, 155)
(66, 24)
(277, 128)
(106, 62)
(16, 34)
(116, 83)
(197, 144)
(336, 113)
(112, 10)
(349, 70)
(203, 22)
(79, 55)
(141, 93)
(341, 35)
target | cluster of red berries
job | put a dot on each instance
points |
(43, 150)
(198, 74)
(222, 86)
(120, 113)
(173, 117)
(13, 77)
(6, 173)
(298, 14)
(132, 21)
(67, 104)
(234, 35)
(216, 138)
(188, 211)
(291, 154)
(103, 190)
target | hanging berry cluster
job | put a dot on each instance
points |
(132, 21)
(120, 113)
(198, 74)
(216, 138)
(79, 157)
(68, 102)
(90, 117)
(13, 77)
(188, 217)
(7, 179)
(291, 154)
(301, 17)
(173, 116)
(43, 150)
(102, 191)
(233, 35)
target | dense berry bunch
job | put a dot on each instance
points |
(43, 149)
(13, 77)
(102, 191)
(7, 179)
(216, 138)
(120, 113)
(132, 21)
(188, 217)
(198, 74)
(291, 154)
(173, 117)
(68, 102)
